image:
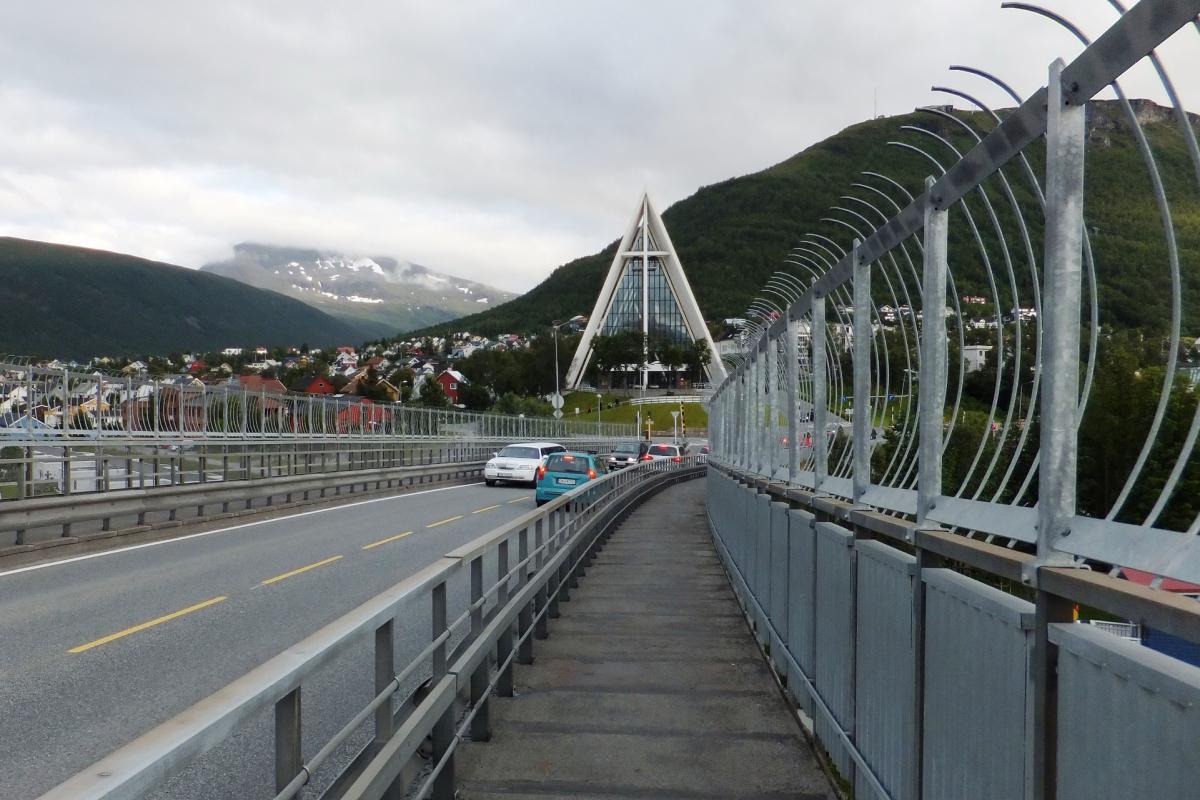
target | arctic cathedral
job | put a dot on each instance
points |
(645, 292)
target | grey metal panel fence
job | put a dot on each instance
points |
(1128, 719)
(802, 566)
(885, 674)
(833, 668)
(762, 561)
(778, 565)
(978, 642)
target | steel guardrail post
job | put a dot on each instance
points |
(504, 645)
(288, 758)
(481, 728)
(1065, 157)
(931, 396)
(792, 391)
(820, 392)
(864, 425)
(385, 671)
(525, 619)
(443, 729)
(541, 629)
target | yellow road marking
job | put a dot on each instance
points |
(489, 508)
(519, 499)
(443, 522)
(145, 625)
(388, 539)
(294, 572)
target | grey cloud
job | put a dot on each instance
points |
(491, 139)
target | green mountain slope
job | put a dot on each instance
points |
(72, 302)
(732, 235)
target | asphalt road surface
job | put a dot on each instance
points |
(98, 649)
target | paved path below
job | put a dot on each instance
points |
(650, 685)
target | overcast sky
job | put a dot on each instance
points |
(493, 140)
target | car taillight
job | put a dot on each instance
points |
(647, 457)
(591, 473)
(677, 459)
(541, 472)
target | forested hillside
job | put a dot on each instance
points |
(72, 302)
(732, 235)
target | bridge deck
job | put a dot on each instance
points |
(650, 685)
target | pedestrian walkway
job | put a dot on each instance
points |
(650, 685)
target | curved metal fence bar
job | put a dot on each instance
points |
(889, 424)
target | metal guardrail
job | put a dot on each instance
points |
(44, 512)
(1002, 468)
(984, 468)
(667, 399)
(923, 682)
(45, 405)
(553, 545)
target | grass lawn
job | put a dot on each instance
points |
(695, 414)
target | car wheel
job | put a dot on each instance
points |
(489, 482)
(539, 502)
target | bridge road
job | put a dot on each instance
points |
(96, 650)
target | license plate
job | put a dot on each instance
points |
(566, 481)
(504, 474)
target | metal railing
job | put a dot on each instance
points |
(443, 691)
(67, 433)
(985, 693)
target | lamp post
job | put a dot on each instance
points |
(599, 405)
(554, 326)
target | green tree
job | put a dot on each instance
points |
(432, 394)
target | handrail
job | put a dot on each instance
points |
(559, 528)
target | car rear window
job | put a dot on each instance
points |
(568, 463)
(628, 448)
(520, 452)
(662, 450)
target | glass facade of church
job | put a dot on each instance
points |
(625, 313)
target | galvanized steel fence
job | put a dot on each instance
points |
(64, 433)
(861, 411)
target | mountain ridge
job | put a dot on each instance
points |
(74, 302)
(382, 294)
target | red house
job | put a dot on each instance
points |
(313, 384)
(452, 380)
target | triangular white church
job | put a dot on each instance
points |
(645, 291)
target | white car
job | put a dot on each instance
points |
(675, 452)
(519, 462)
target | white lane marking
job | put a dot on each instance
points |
(120, 550)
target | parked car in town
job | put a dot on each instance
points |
(519, 462)
(627, 454)
(562, 472)
(675, 452)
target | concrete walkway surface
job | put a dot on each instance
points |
(650, 685)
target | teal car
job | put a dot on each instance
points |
(562, 472)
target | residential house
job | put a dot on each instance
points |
(313, 384)
(363, 415)
(452, 382)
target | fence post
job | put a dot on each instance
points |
(792, 393)
(770, 412)
(819, 393)
(931, 393)
(443, 729)
(288, 758)
(1065, 156)
(863, 424)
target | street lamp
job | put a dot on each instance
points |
(599, 405)
(554, 326)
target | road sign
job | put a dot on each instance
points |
(674, 415)
(557, 401)
(558, 412)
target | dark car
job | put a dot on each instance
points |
(626, 454)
